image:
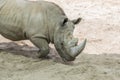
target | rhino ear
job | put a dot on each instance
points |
(76, 21)
(65, 20)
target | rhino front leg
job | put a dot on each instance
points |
(42, 44)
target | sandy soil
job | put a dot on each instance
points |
(99, 61)
(86, 67)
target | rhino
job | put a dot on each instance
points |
(41, 22)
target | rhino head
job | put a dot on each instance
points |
(65, 43)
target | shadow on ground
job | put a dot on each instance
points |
(27, 51)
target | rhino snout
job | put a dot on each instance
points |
(69, 50)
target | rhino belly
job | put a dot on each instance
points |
(12, 35)
(11, 32)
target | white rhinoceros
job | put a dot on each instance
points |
(41, 22)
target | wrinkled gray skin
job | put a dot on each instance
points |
(41, 22)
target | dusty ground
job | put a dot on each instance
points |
(99, 61)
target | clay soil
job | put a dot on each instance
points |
(99, 61)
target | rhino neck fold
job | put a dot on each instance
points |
(51, 35)
(52, 25)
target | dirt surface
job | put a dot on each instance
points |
(99, 61)
(86, 67)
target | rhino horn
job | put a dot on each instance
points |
(75, 51)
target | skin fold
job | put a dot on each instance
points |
(41, 22)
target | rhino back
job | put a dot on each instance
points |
(33, 18)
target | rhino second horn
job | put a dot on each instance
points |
(75, 51)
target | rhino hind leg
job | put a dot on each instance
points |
(42, 44)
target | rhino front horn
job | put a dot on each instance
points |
(75, 51)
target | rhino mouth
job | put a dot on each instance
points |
(67, 47)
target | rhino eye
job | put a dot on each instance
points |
(64, 22)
